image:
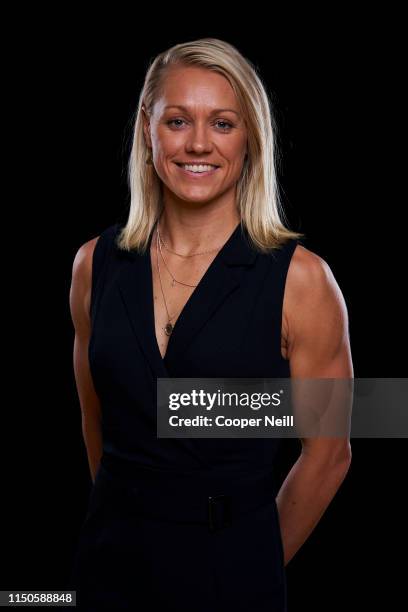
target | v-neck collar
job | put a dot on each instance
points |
(223, 276)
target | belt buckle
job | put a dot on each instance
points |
(219, 511)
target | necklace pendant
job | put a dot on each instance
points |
(173, 282)
(168, 329)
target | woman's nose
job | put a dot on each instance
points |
(199, 139)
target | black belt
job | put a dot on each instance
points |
(213, 497)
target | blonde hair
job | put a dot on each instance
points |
(259, 205)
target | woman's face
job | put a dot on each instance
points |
(196, 120)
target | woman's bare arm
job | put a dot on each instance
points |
(316, 328)
(80, 295)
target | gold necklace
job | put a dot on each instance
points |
(168, 328)
(174, 280)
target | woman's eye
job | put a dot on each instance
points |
(225, 124)
(229, 125)
(173, 120)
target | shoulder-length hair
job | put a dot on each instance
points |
(258, 201)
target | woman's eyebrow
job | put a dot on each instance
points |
(213, 112)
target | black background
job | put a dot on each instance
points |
(335, 81)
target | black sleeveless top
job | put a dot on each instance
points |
(229, 327)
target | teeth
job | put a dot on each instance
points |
(199, 168)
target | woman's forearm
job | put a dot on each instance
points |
(303, 497)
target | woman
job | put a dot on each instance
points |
(204, 280)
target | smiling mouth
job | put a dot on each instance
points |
(197, 172)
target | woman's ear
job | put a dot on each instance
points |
(146, 127)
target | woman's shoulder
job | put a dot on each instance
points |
(91, 251)
(307, 270)
(311, 288)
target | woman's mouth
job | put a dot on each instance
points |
(198, 170)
